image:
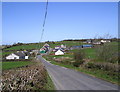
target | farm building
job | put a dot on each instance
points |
(87, 46)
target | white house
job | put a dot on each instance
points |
(89, 41)
(59, 52)
(18, 55)
(104, 41)
(12, 56)
(57, 47)
(97, 43)
(63, 46)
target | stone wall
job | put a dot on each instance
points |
(25, 78)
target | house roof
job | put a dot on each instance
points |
(59, 50)
(26, 53)
(46, 45)
(19, 54)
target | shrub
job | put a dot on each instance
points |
(79, 58)
(103, 65)
(107, 53)
(90, 65)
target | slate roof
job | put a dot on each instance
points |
(26, 53)
(19, 54)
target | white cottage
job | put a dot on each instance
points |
(59, 52)
(18, 55)
(12, 56)
(104, 41)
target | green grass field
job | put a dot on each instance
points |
(15, 64)
(89, 52)
(26, 47)
(38, 46)
(67, 43)
(6, 53)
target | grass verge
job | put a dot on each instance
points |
(49, 85)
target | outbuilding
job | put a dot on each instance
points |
(87, 46)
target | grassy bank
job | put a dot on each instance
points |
(49, 85)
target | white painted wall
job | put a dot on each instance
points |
(59, 52)
(26, 57)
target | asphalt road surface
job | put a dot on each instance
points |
(68, 79)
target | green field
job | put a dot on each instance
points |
(38, 46)
(15, 64)
(6, 53)
(67, 43)
(89, 52)
(25, 47)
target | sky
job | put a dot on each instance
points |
(22, 21)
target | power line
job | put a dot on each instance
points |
(44, 21)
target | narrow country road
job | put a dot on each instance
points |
(68, 79)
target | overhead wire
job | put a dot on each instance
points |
(44, 22)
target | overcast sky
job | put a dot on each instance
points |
(22, 22)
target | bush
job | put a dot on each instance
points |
(79, 58)
(108, 53)
(90, 65)
(104, 66)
